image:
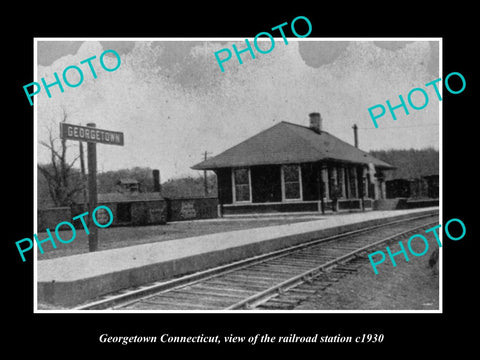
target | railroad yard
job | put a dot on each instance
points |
(330, 272)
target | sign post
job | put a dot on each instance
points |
(92, 136)
(92, 192)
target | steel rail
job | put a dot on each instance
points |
(145, 291)
(309, 275)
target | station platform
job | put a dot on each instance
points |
(72, 280)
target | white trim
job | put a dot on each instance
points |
(234, 197)
(274, 203)
(293, 202)
(284, 199)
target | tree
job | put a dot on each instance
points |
(409, 163)
(63, 180)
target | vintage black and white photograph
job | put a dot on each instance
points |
(297, 174)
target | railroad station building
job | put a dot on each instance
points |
(294, 168)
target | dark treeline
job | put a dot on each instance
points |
(410, 164)
(180, 187)
(190, 186)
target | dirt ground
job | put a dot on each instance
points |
(412, 285)
(117, 237)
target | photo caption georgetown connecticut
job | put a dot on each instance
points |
(252, 340)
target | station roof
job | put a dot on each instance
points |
(288, 143)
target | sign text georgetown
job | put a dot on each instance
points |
(84, 133)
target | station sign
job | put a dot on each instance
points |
(90, 134)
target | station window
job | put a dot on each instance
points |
(291, 182)
(241, 184)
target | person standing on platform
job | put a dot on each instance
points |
(335, 195)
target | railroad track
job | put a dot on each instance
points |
(270, 281)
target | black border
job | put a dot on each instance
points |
(404, 333)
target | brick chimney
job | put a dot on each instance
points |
(355, 134)
(156, 180)
(316, 122)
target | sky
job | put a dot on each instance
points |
(173, 103)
